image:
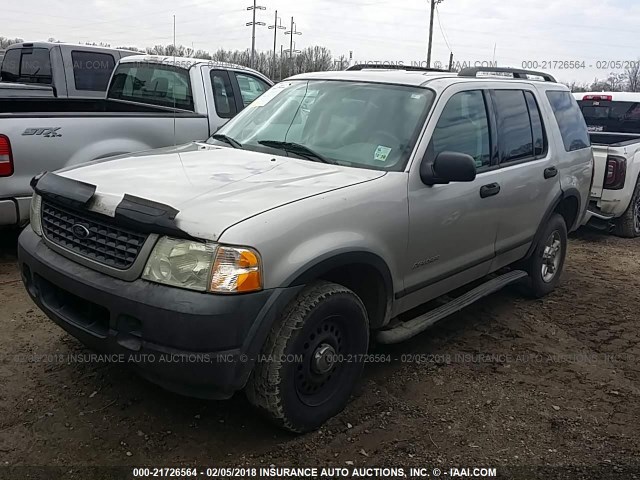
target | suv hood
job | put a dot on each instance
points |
(212, 187)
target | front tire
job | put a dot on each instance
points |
(628, 225)
(312, 358)
(545, 264)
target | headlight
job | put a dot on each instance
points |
(35, 215)
(204, 266)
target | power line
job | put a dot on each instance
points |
(292, 32)
(277, 25)
(253, 29)
(433, 7)
(442, 30)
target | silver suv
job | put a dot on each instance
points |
(268, 258)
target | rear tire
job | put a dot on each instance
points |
(628, 225)
(327, 330)
(547, 260)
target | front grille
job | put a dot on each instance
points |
(104, 243)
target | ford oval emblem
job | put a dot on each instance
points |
(80, 231)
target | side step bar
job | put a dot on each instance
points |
(419, 324)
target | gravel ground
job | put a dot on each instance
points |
(510, 383)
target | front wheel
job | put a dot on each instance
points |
(312, 358)
(545, 264)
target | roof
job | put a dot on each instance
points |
(377, 75)
(184, 62)
(408, 77)
(616, 96)
(63, 44)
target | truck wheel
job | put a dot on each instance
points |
(628, 225)
(312, 358)
(545, 265)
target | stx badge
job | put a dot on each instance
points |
(48, 132)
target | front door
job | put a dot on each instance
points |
(452, 227)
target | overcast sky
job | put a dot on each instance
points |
(520, 31)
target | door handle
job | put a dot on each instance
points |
(550, 172)
(489, 190)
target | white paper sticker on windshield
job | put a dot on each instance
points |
(382, 153)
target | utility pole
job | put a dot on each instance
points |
(292, 32)
(450, 61)
(253, 30)
(433, 8)
(277, 25)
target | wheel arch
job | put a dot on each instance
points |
(568, 205)
(363, 272)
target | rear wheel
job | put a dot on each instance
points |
(628, 225)
(545, 264)
(312, 358)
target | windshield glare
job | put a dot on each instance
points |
(354, 124)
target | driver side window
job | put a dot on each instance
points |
(463, 127)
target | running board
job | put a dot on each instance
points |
(419, 324)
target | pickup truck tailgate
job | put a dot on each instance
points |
(600, 153)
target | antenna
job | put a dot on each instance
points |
(174, 65)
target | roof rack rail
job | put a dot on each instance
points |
(382, 66)
(516, 72)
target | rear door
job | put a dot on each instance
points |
(529, 180)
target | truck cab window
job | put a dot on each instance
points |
(463, 127)
(27, 65)
(92, 70)
(157, 84)
(223, 94)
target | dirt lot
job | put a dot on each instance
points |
(510, 382)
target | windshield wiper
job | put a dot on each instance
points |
(226, 139)
(295, 148)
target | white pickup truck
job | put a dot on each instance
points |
(151, 102)
(613, 119)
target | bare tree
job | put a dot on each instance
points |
(5, 42)
(633, 77)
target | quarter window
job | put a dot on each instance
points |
(573, 127)
(92, 71)
(514, 126)
(463, 127)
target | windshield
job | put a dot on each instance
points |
(604, 116)
(347, 123)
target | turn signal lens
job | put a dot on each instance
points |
(236, 270)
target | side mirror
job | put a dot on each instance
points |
(448, 167)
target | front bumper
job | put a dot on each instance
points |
(193, 343)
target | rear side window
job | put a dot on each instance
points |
(463, 127)
(514, 125)
(27, 65)
(91, 70)
(570, 120)
(163, 85)
(223, 94)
